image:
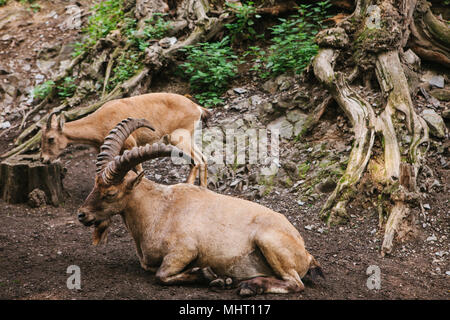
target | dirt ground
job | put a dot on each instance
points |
(38, 245)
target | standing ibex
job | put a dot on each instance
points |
(190, 234)
(171, 115)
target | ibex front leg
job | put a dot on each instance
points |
(169, 272)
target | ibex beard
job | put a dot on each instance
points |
(189, 234)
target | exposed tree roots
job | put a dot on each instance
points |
(403, 133)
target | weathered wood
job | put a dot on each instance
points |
(19, 175)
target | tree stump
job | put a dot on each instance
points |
(19, 175)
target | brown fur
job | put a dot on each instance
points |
(180, 226)
(170, 114)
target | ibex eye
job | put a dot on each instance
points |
(51, 140)
(110, 195)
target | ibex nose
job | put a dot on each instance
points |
(81, 215)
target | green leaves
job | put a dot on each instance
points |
(210, 67)
(127, 66)
(67, 88)
(293, 39)
(107, 15)
(244, 23)
(43, 90)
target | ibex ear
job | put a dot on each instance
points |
(62, 120)
(133, 182)
(52, 121)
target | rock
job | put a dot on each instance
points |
(447, 273)
(167, 42)
(326, 186)
(412, 58)
(432, 238)
(295, 116)
(284, 127)
(270, 86)
(426, 206)
(435, 122)
(241, 105)
(240, 90)
(73, 19)
(441, 94)
(37, 198)
(309, 227)
(266, 108)
(284, 82)
(446, 114)
(5, 125)
(437, 81)
(255, 100)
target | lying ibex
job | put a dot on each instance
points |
(171, 115)
(189, 234)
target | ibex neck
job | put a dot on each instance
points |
(144, 208)
(83, 131)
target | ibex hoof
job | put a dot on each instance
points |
(249, 288)
(222, 283)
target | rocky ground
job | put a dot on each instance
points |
(37, 245)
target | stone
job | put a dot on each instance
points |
(240, 90)
(255, 100)
(295, 116)
(284, 127)
(37, 198)
(432, 238)
(446, 114)
(427, 206)
(435, 122)
(266, 107)
(441, 94)
(437, 81)
(270, 86)
(167, 42)
(5, 125)
(326, 186)
(412, 58)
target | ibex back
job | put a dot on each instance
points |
(188, 234)
(171, 115)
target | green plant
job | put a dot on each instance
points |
(43, 90)
(210, 67)
(127, 66)
(107, 15)
(156, 28)
(3, 2)
(67, 88)
(293, 40)
(244, 24)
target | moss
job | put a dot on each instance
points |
(303, 169)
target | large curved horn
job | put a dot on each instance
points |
(113, 143)
(116, 170)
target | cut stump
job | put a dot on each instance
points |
(21, 174)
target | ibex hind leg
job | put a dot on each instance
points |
(283, 263)
(181, 138)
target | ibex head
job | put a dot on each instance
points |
(53, 141)
(114, 180)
